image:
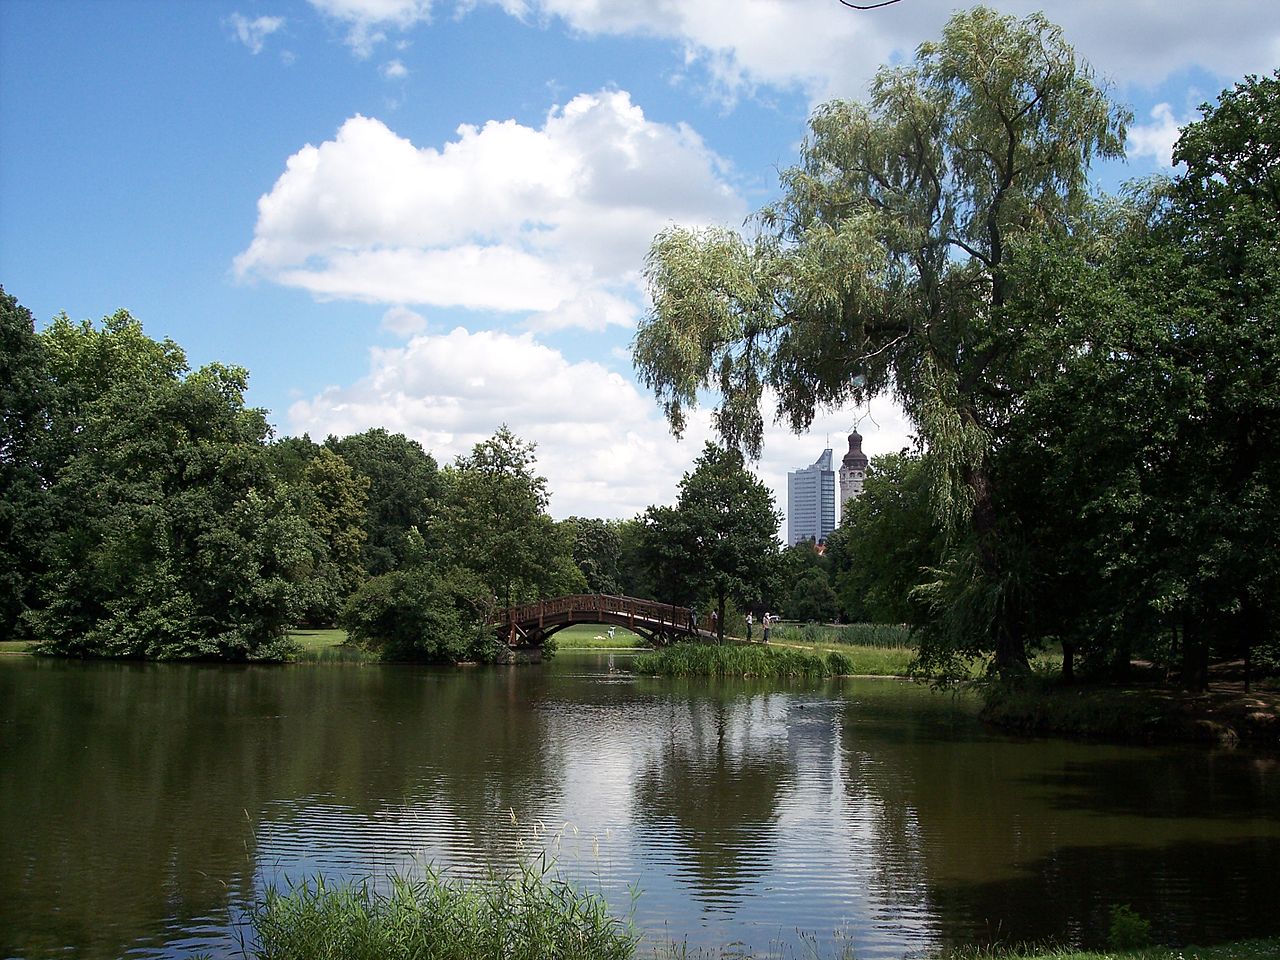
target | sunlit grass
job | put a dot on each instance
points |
(15, 646)
(328, 646)
(593, 636)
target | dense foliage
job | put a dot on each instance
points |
(1093, 384)
(147, 514)
(720, 540)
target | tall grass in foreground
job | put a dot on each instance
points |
(736, 660)
(526, 916)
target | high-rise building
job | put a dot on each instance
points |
(811, 501)
(853, 471)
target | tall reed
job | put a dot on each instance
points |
(528, 915)
(737, 660)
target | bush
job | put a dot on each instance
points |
(417, 614)
(1128, 931)
(840, 664)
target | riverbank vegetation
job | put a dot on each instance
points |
(740, 660)
(531, 914)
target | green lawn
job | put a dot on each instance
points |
(328, 646)
(318, 639)
(592, 636)
(13, 646)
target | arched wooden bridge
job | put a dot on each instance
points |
(531, 623)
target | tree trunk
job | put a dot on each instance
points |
(1195, 656)
(1010, 647)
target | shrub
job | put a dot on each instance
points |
(417, 614)
(1128, 931)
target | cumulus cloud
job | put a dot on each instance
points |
(603, 446)
(1156, 139)
(368, 20)
(394, 70)
(253, 33)
(553, 220)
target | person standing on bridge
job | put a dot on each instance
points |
(693, 619)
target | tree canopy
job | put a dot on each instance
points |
(720, 540)
(883, 265)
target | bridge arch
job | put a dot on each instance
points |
(531, 623)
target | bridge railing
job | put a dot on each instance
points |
(647, 612)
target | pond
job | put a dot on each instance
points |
(145, 804)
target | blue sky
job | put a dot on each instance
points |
(432, 215)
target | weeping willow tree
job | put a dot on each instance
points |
(882, 269)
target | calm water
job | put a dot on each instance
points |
(143, 805)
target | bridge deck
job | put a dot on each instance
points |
(534, 622)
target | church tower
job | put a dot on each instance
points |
(853, 471)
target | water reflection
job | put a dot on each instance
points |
(144, 805)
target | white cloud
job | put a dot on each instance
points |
(603, 446)
(829, 50)
(253, 33)
(394, 70)
(1156, 139)
(553, 220)
(368, 20)
(403, 322)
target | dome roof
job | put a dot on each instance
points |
(855, 459)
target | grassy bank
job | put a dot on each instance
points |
(1144, 714)
(739, 660)
(14, 646)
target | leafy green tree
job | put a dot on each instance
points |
(720, 540)
(289, 457)
(887, 543)
(883, 269)
(811, 597)
(404, 490)
(597, 551)
(493, 522)
(419, 612)
(1142, 465)
(171, 538)
(24, 515)
(635, 578)
(331, 497)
